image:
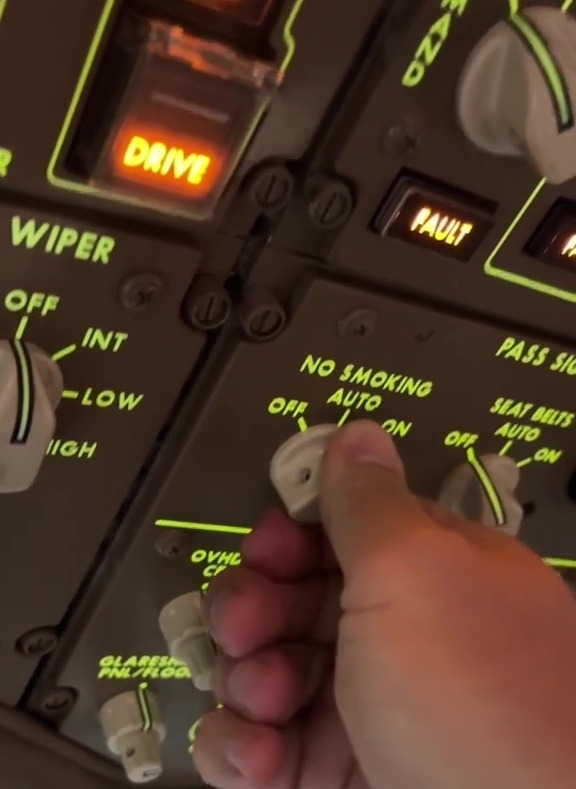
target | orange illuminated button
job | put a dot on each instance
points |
(555, 240)
(161, 159)
(168, 128)
(435, 217)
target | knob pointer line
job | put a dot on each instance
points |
(487, 486)
(25, 406)
(21, 328)
(63, 352)
(558, 91)
(144, 706)
(536, 45)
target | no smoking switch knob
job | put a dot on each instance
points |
(134, 731)
(484, 489)
(295, 472)
(187, 637)
(517, 91)
(30, 390)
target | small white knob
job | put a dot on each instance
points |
(30, 390)
(516, 93)
(295, 472)
(484, 489)
(134, 731)
(187, 638)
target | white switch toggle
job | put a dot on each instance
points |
(517, 91)
(187, 637)
(134, 731)
(295, 472)
(30, 390)
(484, 489)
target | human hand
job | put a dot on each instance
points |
(406, 649)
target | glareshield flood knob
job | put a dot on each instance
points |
(187, 637)
(134, 731)
(295, 472)
(516, 93)
(30, 390)
(484, 490)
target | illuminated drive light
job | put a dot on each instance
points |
(555, 240)
(160, 159)
(177, 114)
(435, 217)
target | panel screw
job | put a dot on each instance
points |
(170, 545)
(140, 290)
(358, 323)
(270, 187)
(402, 137)
(262, 316)
(58, 701)
(330, 201)
(38, 642)
(207, 305)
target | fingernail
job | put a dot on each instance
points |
(367, 442)
(242, 682)
(214, 611)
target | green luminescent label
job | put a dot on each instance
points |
(287, 406)
(19, 300)
(214, 562)
(25, 408)
(144, 705)
(142, 667)
(433, 42)
(72, 449)
(6, 155)
(358, 376)
(526, 353)
(104, 339)
(107, 398)
(54, 239)
(487, 486)
(538, 48)
(461, 438)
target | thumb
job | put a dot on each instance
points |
(378, 530)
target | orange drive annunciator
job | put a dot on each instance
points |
(174, 119)
(163, 159)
